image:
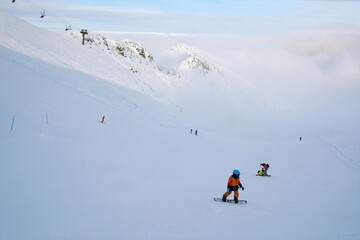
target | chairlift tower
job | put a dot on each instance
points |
(83, 32)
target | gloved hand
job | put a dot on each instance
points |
(242, 188)
(228, 188)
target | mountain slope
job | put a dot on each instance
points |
(142, 175)
(55, 49)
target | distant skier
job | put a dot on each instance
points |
(263, 170)
(300, 138)
(233, 185)
(196, 132)
(190, 131)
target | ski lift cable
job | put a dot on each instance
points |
(51, 15)
(34, 5)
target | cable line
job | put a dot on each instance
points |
(44, 13)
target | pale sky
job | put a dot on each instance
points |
(187, 16)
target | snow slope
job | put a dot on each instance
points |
(142, 175)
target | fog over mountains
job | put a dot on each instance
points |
(141, 174)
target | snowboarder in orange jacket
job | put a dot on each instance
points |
(233, 185)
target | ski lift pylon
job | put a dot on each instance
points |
(83, 33)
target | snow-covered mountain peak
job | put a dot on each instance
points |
(180, 59)
(131, 47)
(126, 48)
(181, 47)
(196, 62)
(190, 58)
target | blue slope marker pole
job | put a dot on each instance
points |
(12, 123)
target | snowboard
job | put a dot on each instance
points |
(241, 201)
(263, 175)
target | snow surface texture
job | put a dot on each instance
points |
(141, 174)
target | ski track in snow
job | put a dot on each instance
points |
(341, 155)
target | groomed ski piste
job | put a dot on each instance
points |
(142, 175)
